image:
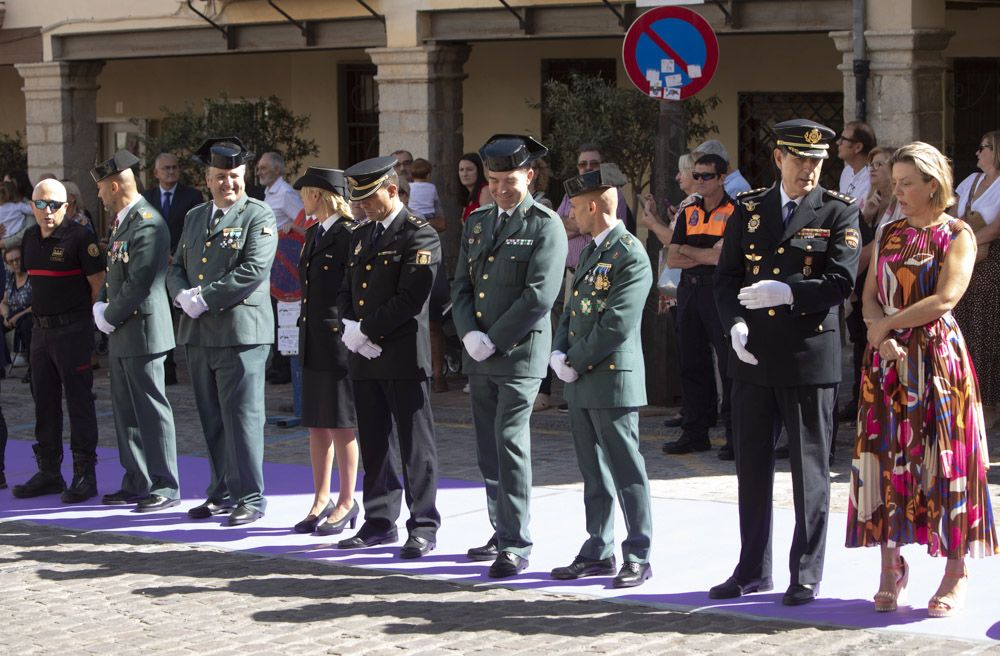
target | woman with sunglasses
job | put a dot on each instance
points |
(979, 206)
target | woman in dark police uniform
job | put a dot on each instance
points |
(327, 397)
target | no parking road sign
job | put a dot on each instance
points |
(670, 53)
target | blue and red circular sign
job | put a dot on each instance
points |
(670, 53)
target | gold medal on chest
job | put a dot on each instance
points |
(753, 223)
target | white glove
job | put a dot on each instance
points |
(765, 294)
(566, 373)
(191, 301)
(739, 333)
(478, 345)
(369, 350)
(353, 338)
(102, 324)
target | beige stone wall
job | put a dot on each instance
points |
(306, 82)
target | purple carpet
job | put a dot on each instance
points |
(696, 544)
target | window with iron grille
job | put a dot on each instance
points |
(358, 94)
(975, 97)
(758, 111)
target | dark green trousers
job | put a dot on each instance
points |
(144, 426)
(607, 450)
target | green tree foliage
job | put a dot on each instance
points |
(13, 155)
(263, 125)
(621, 120)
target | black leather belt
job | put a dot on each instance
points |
(60, 320)
(696, 279)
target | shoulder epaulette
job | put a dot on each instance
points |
(628, 240)
(418, 221)
(146, 215)
(483, 208)
(839, 196)
(354, 225)
(751, 192)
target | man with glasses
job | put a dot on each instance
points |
(853, 146)
(404, 160)
(695, 249)
(66, 269)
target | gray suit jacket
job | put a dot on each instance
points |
(135, 289)
(232, 264)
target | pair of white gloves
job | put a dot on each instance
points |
(191, 302)
(763, 294)
(357, 342)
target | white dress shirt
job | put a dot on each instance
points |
(284, 201)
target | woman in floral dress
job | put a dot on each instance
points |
(920, 459)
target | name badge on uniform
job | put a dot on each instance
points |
(58, 254)
(231, 237)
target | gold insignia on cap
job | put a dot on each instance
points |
(423, 257)
(93, 250)
(813, 136)
(852, 238)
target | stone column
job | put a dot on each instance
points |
(420, 110)
(906, 86)
(61, 111)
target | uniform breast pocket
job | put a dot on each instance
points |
(512, 268)
(811, 254)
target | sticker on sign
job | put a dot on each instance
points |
(670, 53)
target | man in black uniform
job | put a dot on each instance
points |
(383, 305)
(66, 269)
(788, 261)
(696, 245)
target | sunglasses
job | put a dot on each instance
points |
(704, 176)
(53, 205)
(982, 146)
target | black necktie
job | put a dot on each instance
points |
(379, 229)
(320, 231)
(166, 204)
(217, 217)
(501, 219)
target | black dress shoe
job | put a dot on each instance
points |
(121, 498)
(41, 483)
(687, 444)
(309, 524)
(244, 515)
(507, 564)
(486, 552)
(209, 508)
(727, 453)
(732, 588)
(155, 502)
(332, 528)
(632, 575)
(581, 567)
(369, 538)
(415, 547)
(800, 593)
(83, 487)
(673, 422)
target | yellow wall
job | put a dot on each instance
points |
(504, 76)
(306, 82)
(11, 101)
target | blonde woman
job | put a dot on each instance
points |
(919, 469)
(327, 397)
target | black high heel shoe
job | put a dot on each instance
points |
(308, 525)
(332, 528)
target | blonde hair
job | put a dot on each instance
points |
(932, 165)
(685, 162)
(993, 136)
(335, 203)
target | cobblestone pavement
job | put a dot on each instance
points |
(66, 591)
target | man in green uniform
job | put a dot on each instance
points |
(509, 272)
(219, 277)
(597, 352)
(133, 310)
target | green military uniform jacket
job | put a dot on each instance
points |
(232, 263)
(505, 285)
(599, 330)
(135, 288)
